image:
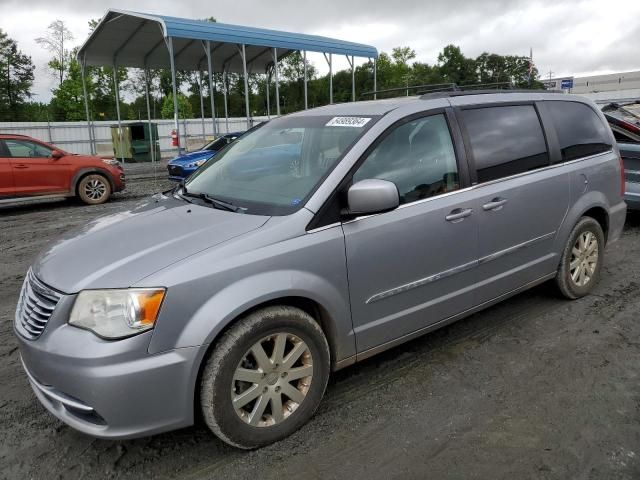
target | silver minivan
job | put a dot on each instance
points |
(314, 242)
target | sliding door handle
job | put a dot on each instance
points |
(458, 215)
(495, 204)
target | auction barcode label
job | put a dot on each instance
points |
(348, 122)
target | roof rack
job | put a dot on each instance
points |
(434, 87)
(436, 90)
(460, 93)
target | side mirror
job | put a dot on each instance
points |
(372, 196)
(56, 154)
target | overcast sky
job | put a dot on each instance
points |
(568, 37)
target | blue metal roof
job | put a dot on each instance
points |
(138, 39)
(222, 32)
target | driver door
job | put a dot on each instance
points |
(35, 172)
(415, 266)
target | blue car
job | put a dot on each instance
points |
(184, 165)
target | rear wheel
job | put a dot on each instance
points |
(94, 189)
(581, 261)
(265, 378)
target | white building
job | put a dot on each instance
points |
(601, 88)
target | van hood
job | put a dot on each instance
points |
(118, 250)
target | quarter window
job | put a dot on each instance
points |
(505, 140)
(418, 157)
(580, 131)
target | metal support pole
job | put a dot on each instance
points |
(212, 91)
(175, 90)
(277, 78)
(225, 81)
(375, 78)
(200, 82)
(117, 91)
(306, 98)
(86, 109)
(330, 78)
(246, 86)
(51, 137)
(268, 75)
(151, 139)
(353, 77)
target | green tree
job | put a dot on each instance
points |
(455, 67)
(67, 103)
(56, 41)
(16, 79)
(184, 107)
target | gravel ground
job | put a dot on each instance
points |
(536, 387)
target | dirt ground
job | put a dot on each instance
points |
(536, 387)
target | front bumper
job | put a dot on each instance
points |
(177, 173)
(110, 389)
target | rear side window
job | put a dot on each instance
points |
(580, 131)
(505, 140)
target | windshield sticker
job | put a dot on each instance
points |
(295, 201)
(357, 122)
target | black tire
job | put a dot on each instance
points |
(218, 382)
(566, 284)
(94, 189)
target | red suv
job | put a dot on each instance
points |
(30, 168)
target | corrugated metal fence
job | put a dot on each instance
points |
(74, 136)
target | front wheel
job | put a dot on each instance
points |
(94, 189)
(265, 378)
(581, 259)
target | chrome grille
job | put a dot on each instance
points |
(35, 306)
(175, 170)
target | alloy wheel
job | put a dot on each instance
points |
(584, 258)
(95, 189)
(272, 380)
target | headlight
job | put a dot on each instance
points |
(111, 161)
(197, 163)
(117, 314)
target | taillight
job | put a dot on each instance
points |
(622, 182)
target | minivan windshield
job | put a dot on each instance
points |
(273, 170)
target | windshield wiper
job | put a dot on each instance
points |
(184, 194)
(215, 202)
(219, 203)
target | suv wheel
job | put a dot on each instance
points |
(265, 378)
(582, 259)
(94, 189)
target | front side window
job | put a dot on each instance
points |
(27, 149)
(274, 169)
(580, 131)
(417, 156)
(505, 140)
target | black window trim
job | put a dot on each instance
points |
(467, 140)
(326, 213)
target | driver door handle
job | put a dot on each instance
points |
(458, 215)
(495, 204)
(21, 166)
